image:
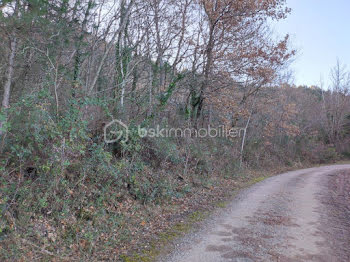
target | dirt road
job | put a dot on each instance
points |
(302, 215)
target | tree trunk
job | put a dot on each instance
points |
(198, 98)
(243, 142)
(8, 83)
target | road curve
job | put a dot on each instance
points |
(284, 218)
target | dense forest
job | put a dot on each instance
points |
(70, 67)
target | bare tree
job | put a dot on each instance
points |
(336, 102)
(10, 71)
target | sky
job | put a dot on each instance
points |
(320, 32)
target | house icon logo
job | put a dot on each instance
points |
(116, 131)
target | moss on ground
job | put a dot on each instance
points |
(165, 238)
(221, 204)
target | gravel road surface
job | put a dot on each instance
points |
(301, 215)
